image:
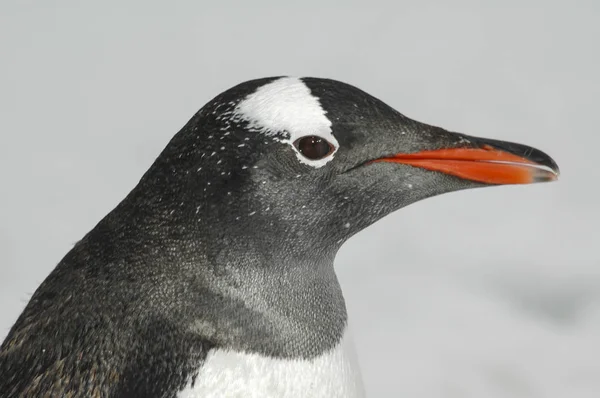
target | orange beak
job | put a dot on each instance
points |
(486, 164)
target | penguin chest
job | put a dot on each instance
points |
(334, 374)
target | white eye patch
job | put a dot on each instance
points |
(286, 105)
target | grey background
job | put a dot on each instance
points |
(483, 293)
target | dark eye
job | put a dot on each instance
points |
(313, 147)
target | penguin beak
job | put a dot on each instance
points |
(486, 161)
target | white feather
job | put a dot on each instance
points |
(230, 374)
(287, 105)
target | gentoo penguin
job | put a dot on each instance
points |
(214, 277)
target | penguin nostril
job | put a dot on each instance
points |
(314, 147)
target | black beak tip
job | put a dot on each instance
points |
(542, 159)
(535, 155)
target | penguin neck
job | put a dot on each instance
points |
(270, 301)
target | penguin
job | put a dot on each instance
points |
(214, 276)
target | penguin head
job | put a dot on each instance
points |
(283, 158)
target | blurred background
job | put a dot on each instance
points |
(480, 293)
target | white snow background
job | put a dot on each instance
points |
(481, 293)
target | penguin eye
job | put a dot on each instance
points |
(313, 147)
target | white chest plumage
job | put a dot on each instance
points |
(334, 374)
